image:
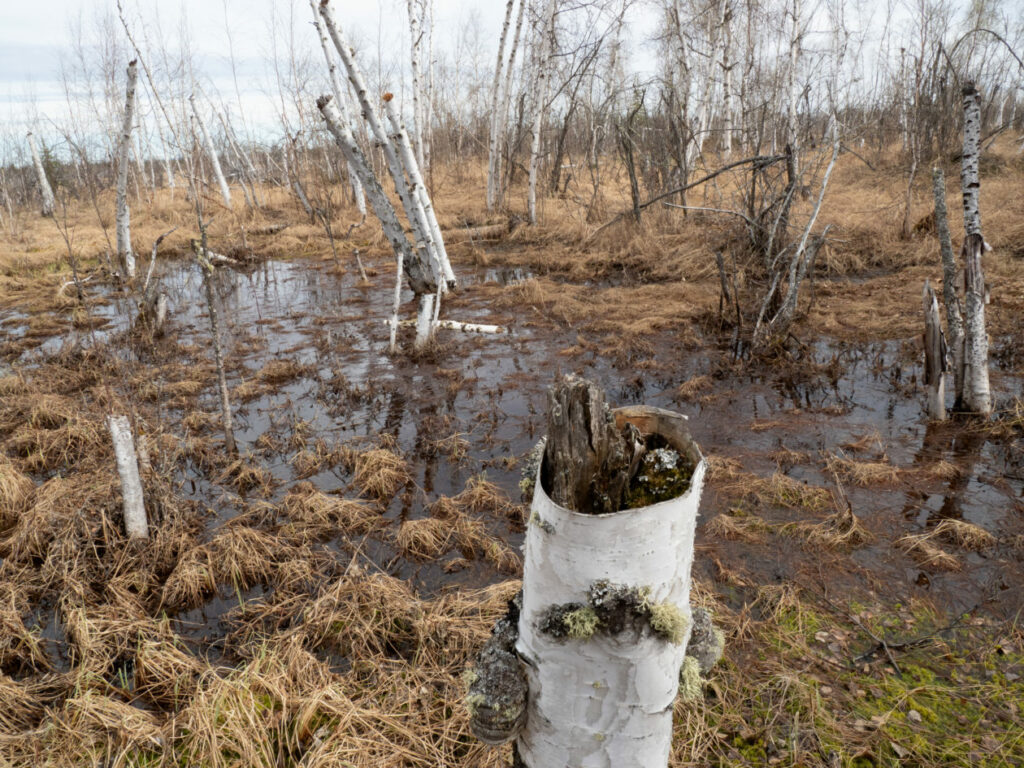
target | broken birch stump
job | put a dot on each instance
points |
(135, 525)
(604, 621)
(934, 355)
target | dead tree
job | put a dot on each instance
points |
(934, 356)
(125, 255)
(135, 524)
(950, 296)
(211, 151)
(207, 272)
(542, 77)
(586, 666)
(977, 395)
(44, 185)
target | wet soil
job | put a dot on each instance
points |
(858, 402)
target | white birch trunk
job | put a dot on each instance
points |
(969, 181)
(340, 102)
(977, 396)
(135, 524)
(506, 105)
(493, 162)
(211, 150)
(416, 39)
(125, 254)
(794, 93)
(380, 136)
(727, 84)
(425, 321)
(418, 188)
(206, 268)
(44, 185)
(606, 700)
(416, 269)
(540, 95)
(934, 356)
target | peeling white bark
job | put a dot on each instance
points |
(125, 254)
(211, 151)
(135, 524)
(606, 700)
(44, 185)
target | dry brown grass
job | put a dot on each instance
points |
(15, 490)
(966, 535)
(748, 528)
(862, 473)
(379, 472)
(778, 490)
(923, 549)
(319, 515)
(425, 539)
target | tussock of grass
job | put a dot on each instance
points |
(692, 389)
(863, 473)
(324, 515)
(281, 371)
(15, 490)
(966, 535)
(923, 549)
(246, 475)
(379, 472)
(737, 528)
(425, 539)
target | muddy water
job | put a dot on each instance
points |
(491, 390)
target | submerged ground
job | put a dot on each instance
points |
(315, 600)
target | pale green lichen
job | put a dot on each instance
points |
(469, 677)
(691, 686)
(473, 703)
(581, 624)
(668, 621)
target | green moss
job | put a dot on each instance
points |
(581, 624)
(669, 622)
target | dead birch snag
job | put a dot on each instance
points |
(206, 268)
(135, 524)
(125, 255)
(211, 151)
(425, 321)
(934, 355)
(969, 181)
(977, 395)
(950, 296)
(44, 185)
(605, 619)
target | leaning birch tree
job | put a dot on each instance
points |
(44, 184)
(125, 255)
(211, 152)
(339, 103)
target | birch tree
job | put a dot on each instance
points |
(211, 152)
(546, 42)
(977, 395)
(135, 524)
(125, 255)
(44, 185)
(339, 103)
(493, 158)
